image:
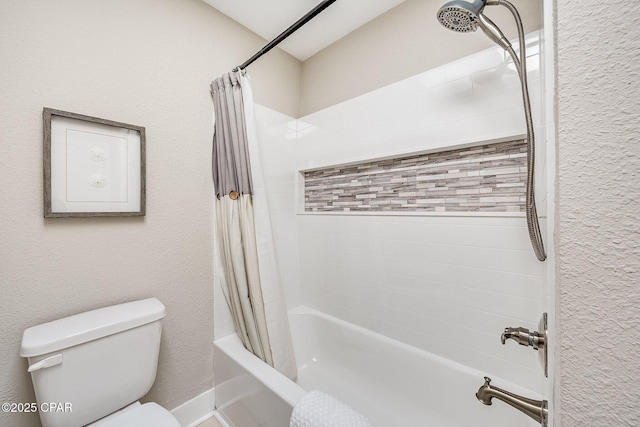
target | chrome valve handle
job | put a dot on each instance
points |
(523, 337)
(535, 339)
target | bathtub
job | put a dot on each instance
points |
(391, 383)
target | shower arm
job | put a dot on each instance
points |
(533, 225)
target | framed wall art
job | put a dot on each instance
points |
(92, 167)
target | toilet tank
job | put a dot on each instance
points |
(93, 363)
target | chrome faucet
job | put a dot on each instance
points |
(536, 409)
(523, 337)
(535, 339)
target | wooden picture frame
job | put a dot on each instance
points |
(92, 167)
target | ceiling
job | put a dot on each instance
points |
(271, 17)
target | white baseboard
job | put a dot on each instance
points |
(196, 410)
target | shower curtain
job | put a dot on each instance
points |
(243, 228)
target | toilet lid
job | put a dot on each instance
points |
(147, 415)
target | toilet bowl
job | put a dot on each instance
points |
(94, 366)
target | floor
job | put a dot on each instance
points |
(211, 422)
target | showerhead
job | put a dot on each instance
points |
(466, 16)
(460, 15)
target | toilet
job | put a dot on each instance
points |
(90, 369)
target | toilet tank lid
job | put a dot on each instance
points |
(88, 326)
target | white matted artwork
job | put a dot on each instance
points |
(92, 167)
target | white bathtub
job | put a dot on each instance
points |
(392, 383)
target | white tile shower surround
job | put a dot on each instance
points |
(445, 284)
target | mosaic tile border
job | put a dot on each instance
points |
(484, 178)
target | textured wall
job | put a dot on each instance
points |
(598, 231)
(140, 62)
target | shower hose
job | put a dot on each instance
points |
(530, 202)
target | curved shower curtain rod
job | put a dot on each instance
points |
(286, 33)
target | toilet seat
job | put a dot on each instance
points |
(147, 415)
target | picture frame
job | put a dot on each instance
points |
(92, 167)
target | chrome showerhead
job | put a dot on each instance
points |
(466, 16)
(460, 15)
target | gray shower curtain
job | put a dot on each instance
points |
(243, 231)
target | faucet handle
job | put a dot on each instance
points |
(522, 336)
(535, 339)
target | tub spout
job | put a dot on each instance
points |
(536, 409)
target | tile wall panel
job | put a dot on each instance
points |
(447, 284)
(486, 178)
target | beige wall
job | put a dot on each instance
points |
(598, 237)
(140, 62)
(403, 42)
